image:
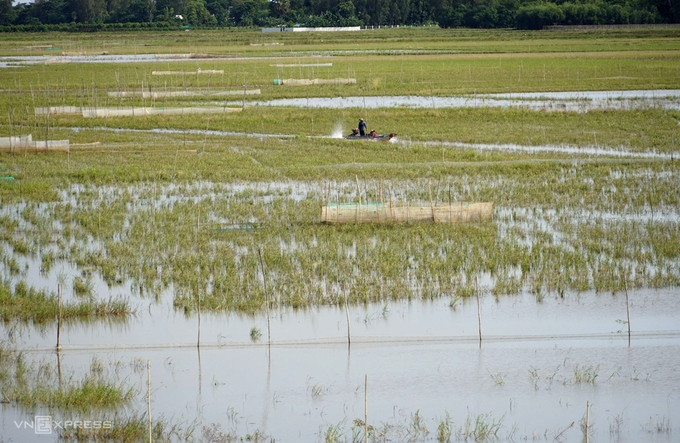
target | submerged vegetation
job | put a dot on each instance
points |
(602, 225)
(221, 212)
(42, 384)
(185, 202)
(25, 303)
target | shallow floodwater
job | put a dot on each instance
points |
(422, 359)
(597, 151)
(418, 356)
(577, 101)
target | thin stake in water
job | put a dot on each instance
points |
(625, 286)
(266, 296)
(148, 396)
(366, 408)
(59, 319)
(479, 313)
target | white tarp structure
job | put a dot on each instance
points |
(314, 81)
(25, 143)
(141, 112)
(164, 94)
(199, 71)
(325, 29)
(16, 141)
(53, 110)
(131, 111)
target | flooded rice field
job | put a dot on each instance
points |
(577, 101)
(169, 277)
(588, 151)
(554, 333)
(538, 367)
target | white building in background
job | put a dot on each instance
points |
(325, 29)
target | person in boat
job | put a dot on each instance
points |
(362, 127)
(355, 132)
(373, 133)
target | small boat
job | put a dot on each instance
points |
(382, 137)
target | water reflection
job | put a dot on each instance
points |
(513, 320)
(294, 393)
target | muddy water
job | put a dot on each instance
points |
(422, 357)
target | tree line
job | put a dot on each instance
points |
(522, 14)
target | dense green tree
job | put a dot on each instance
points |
(220, 10)
(126, 11)
(7, 12)
(537, 15)
(249, 12)
(279, 8)
(529, 14)
(88, 11)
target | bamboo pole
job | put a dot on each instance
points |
(356, 218)
(349, 340)
(587, 427)
(198, 262)
(429, 187)
(479, 313)
(266, 296)
(625, 286)
(365, 408)
(59, 365)
(59, 319)
(99, 221)
(148, 397)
